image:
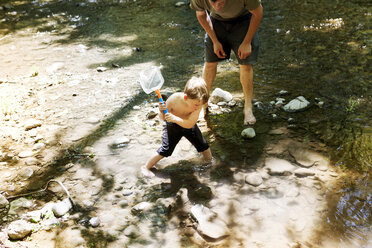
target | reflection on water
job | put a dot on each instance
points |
(350, 217)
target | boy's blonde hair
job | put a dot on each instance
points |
(196, 88)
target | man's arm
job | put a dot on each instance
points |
(245, 48)
(207, 25)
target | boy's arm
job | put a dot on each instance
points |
(185, 123)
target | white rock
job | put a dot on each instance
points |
(19, 229)
(26, 154)
(209, 224)
(248, 133)
(62, 207)
(121, 141)
(297, 104)
(142, 207)
(101, 69)
(219, 95)
(94, 222)
(254, 179)
(179, 4)
(38, 146)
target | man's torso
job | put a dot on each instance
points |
(232, 9)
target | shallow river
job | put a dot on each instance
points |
(318, 49)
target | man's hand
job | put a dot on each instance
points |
(218, 50)
(244, 50)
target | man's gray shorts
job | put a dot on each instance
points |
(231, 34)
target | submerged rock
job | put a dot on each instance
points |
(254, 179)
(298, 104)
(248, 133)
(278, 167)
(209, 224)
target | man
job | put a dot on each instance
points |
(231, 25)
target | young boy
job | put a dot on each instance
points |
(183, 113)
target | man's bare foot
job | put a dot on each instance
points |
(146, 172)
(249, 118)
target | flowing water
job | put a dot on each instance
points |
(318, 49)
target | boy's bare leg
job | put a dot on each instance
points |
(246, 79)
(207, 155)
(152, 161)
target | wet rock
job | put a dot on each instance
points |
(26, 154)
(209, 224)
(304, 157)
(19, 204)
(219, 95)
(254, 179)
(136, 107)
(302, 172)
(179, 4)
(127, 192)
(101, 69)
(141, 207)
(94, 222)
(38, 146)
(132, 231)
(278, 167)
(248, 133)
(32, 123)
(151, 114)
(220, 104)
(279, 131)
(19, 229)
(203, 192)
(61, 208)
(298, 104)
(30, 161)
(26, 173)
(123, 203)
(283, 93)
(273, 193)
(3, 202)
(232, 103)
(121, 142)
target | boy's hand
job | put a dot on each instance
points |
(162, 107)
(171, 118)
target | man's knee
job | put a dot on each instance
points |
(210, 65)
(246, 68)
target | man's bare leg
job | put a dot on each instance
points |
(246, 79)
(209, 74)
